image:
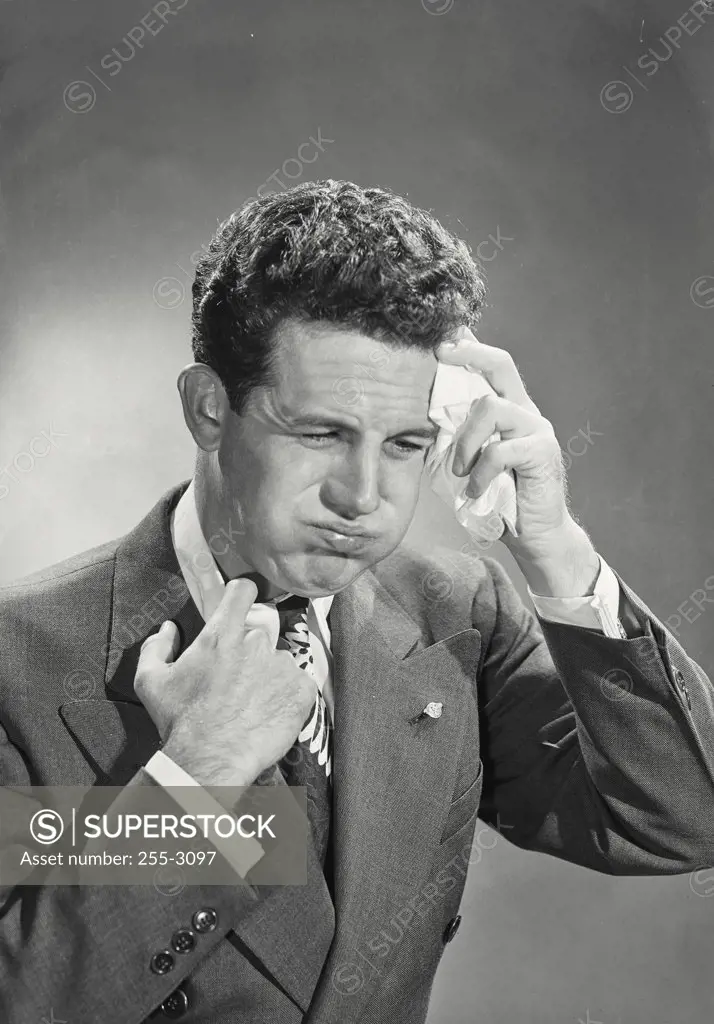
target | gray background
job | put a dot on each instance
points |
(491, 115)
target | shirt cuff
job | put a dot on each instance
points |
(241, 856)
(597, 611)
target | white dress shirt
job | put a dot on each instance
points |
(206, 586)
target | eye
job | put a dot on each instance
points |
(408, 448)
(317, 439)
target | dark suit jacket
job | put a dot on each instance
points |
(530, 737)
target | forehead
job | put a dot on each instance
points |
(323, 368)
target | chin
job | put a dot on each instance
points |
(323, 575)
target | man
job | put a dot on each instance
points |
(319, 318)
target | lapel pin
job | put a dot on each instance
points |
(433, 710)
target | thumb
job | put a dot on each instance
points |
(161, 647)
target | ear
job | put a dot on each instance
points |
(205, 404)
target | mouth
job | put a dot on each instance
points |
(344, 539)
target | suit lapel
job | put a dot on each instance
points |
(393, 776)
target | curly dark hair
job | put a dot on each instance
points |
(330, 251)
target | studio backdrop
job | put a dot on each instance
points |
(570, 143)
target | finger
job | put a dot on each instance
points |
(260, 636)
(496, 365)
(229, 617)
(160, 648)
(490, 415)
(524, 455)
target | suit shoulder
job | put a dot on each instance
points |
(410, 563)
(81, 575)
(51, 618)
(443, 590)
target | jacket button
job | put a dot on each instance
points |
(183, 940)
(452, 928)
(162, 963)
(205, 920)
(175, 1005)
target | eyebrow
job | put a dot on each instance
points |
(428, 433)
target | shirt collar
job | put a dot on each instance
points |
(198, 566)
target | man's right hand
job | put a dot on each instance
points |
(230, 706)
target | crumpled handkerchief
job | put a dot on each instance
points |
(454, 389)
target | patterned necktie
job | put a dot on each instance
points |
(309, 761)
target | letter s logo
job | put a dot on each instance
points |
(46, 826)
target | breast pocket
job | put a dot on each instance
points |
(463, 808)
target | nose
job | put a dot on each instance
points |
(352, 488)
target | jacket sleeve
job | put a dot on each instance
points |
(82, 953)
(599, 751)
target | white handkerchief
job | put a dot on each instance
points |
(454, 389)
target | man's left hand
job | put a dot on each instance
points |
(552, 550)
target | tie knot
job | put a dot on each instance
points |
(292, 613)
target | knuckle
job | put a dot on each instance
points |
(284, 663)
(260, 641)
(210, 635)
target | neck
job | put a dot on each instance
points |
(219, 529)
